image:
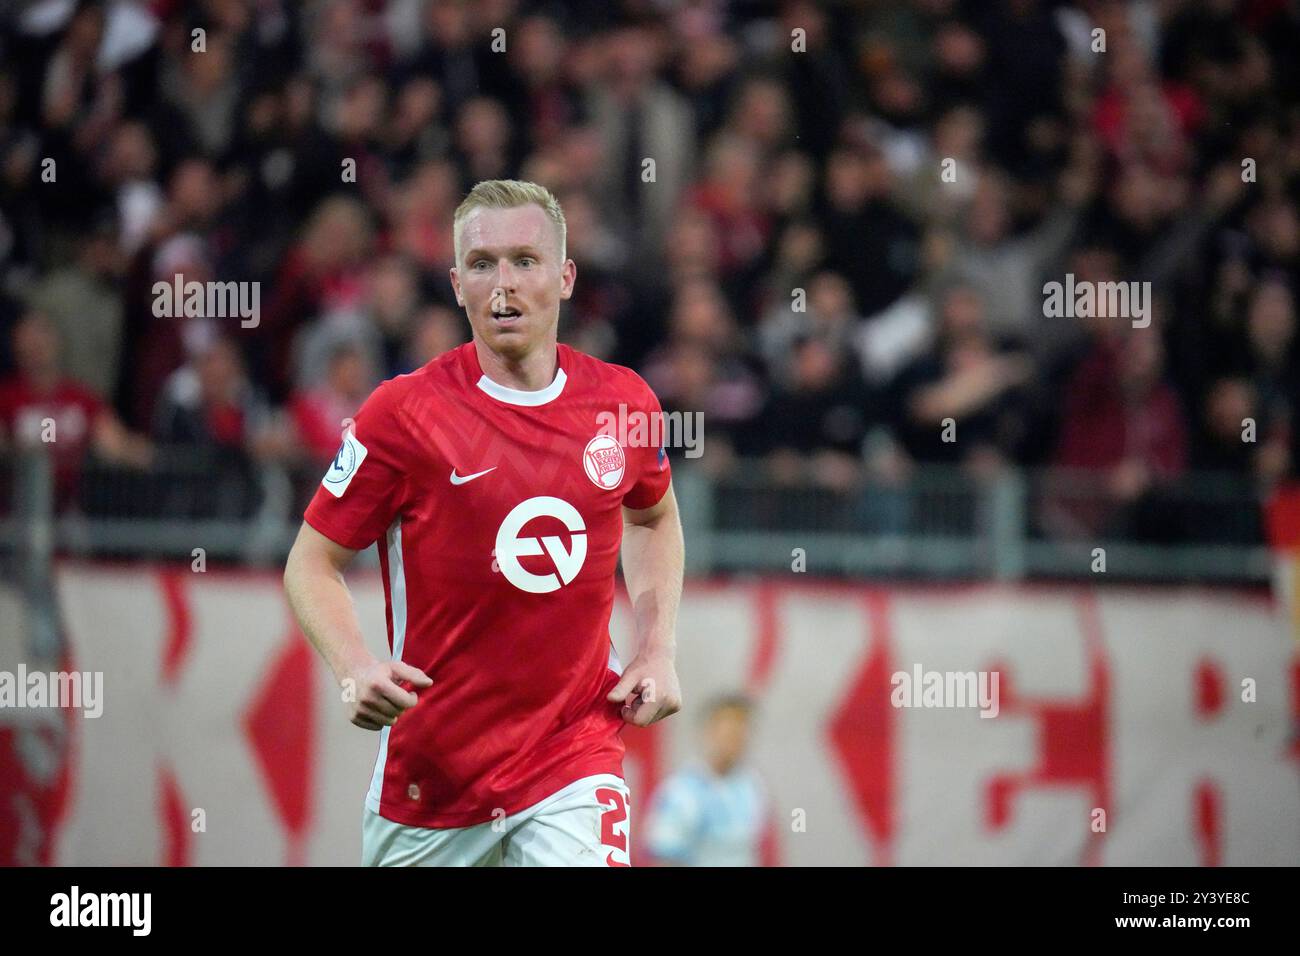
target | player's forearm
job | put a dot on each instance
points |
(323, 605)
(653, 559)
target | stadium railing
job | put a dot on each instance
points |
(940, 522)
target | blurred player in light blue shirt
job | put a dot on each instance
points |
(713, 812)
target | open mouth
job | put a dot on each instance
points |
(506, 316)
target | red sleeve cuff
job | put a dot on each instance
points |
(357, 541)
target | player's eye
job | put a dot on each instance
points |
(478, 263)
(527, 261)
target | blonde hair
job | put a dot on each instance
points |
(509, 194)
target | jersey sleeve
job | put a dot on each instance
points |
(364, 487)
(650, 461)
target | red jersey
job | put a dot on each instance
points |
(499, 518)
(71, 407)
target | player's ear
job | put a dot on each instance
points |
(568, 276)
(455, 286)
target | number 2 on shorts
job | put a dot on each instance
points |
(610, 818)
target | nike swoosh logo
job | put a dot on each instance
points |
(458, 480)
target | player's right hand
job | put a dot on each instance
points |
(379, 698)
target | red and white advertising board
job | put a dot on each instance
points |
(223, 741)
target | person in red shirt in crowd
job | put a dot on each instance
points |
(40, 405)
(210, 402)
(1140, 117)
(1123, 422)
(729, 195)
(323, 272)
(319, 414)
(213, 419)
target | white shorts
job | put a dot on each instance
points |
(583, 824)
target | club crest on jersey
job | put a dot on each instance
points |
(604, 462)
(345, 464)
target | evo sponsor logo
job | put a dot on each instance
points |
(510, 546)
(83, 691)
(923, 688)
(103, 909)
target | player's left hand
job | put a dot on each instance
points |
(648, 690)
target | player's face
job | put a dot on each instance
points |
(510, 278)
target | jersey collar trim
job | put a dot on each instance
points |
(514, 396)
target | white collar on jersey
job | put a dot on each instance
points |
(514, 396)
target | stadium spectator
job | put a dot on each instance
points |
(1123, 423)
(323, 272)
(867, 238)
(640, 117)
(42, 405)
(1273, 358)
(321, 412)
(828, 313)
(816, 420)
(1230, 405)
(714, 811)
(963, 401)
(729, 195)
(1008, 270)
(210, 405)
(435, 330)
(82, 301)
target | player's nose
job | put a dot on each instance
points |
(506, 275)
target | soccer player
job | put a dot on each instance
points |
(500, 505)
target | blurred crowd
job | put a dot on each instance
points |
(837, 254)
